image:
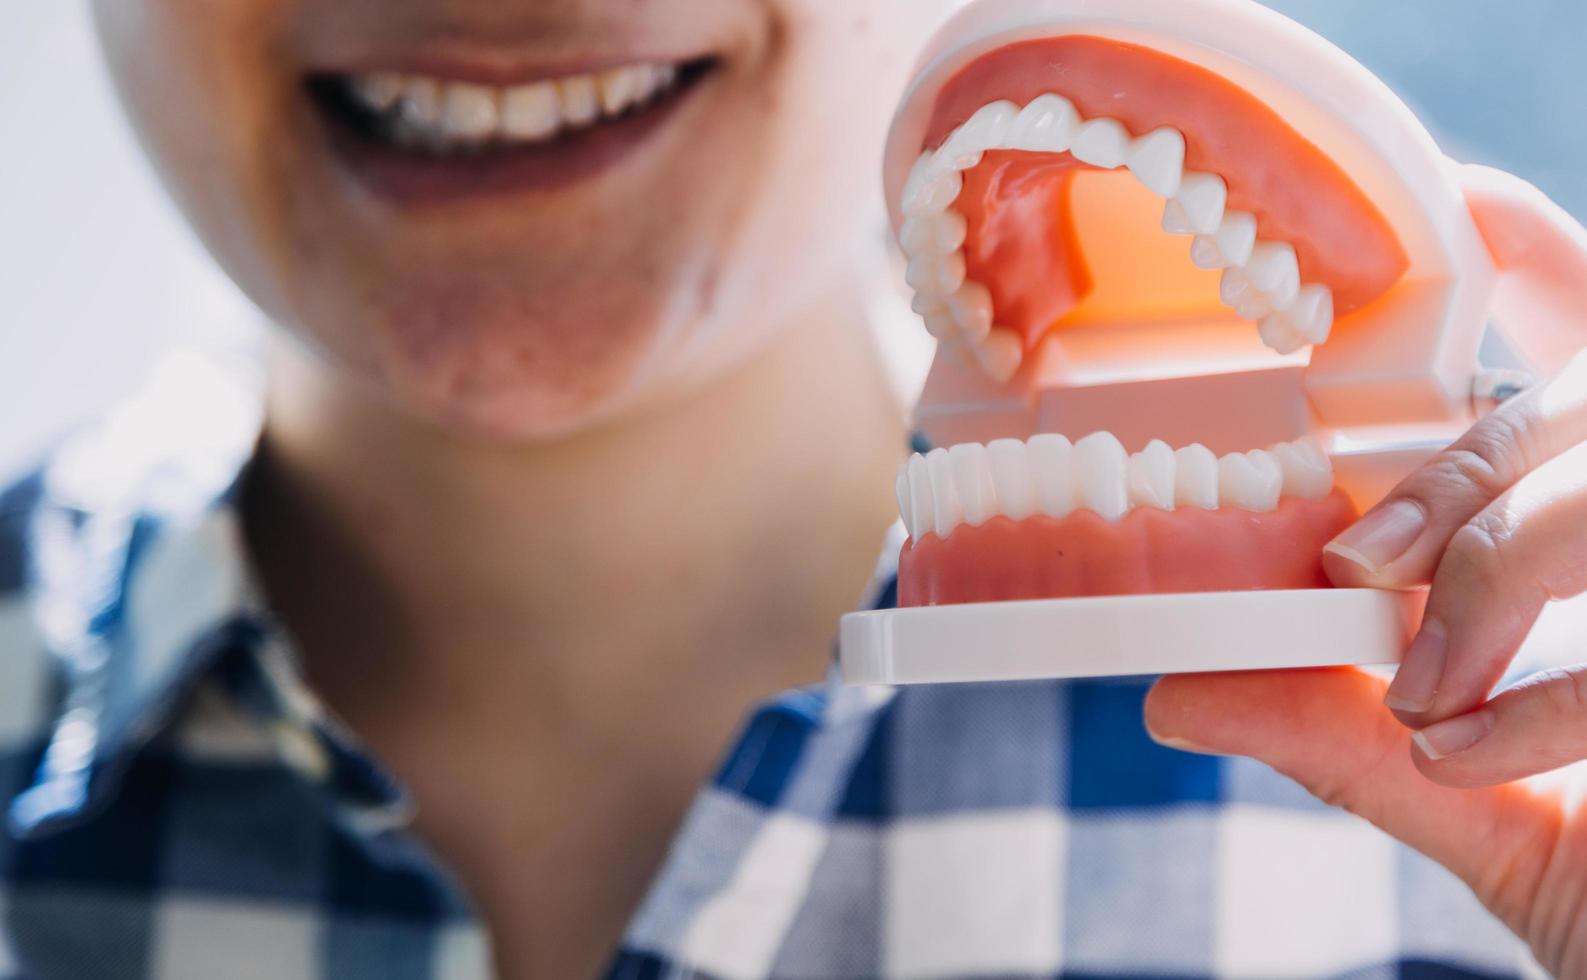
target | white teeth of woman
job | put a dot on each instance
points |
(1261, 278)
(445, 114)
(1048, 475)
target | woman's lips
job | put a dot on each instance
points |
(424, 140)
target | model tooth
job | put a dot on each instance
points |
(1270, 474)
(1279, 334)
(971, 307)
(951, 231)
(999, 353)
(932, 234)
(1312, 313)
(1273, 267)
(972, 481)
(1100, 475)
(1052, 467)
(1158, 160)
(1102, 143)
(941, 325)
(1230, 247)
(1250, 481)
(947, 512)
(926, 304)
(987, 129)
(1151, 476)
(901, 490)
(939, 275)
(1198, 207)
(1275, 270)
(1238, 291)
(922, 502)
(916, 234)
(1308, 472)
(915, 184)
(1011, 477)
(927, 191)
(1046, 125)
(1196, 477)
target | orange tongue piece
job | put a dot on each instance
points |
(1021, 243)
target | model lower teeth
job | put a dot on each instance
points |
(434, 113)
(1261, 279)
(1047, 474)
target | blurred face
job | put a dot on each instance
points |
(518, 217)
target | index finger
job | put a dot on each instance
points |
(1399, 542)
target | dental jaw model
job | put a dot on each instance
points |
(1204, 289)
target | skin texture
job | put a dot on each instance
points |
(526, 455)
(479, 316)
(1495, 525)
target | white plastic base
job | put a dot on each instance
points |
(1127, 634)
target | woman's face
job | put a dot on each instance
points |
(479, 270)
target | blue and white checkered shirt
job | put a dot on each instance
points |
(180, 807)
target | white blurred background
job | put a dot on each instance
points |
(98, 276)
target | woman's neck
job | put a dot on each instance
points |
(583, 624)
(698, 535)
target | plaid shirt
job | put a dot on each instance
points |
(180, 806)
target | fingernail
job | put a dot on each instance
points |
(1182, 744)
(1453, 735)
(1381, 536)
(1421, 670)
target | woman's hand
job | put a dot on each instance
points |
(1497, 523)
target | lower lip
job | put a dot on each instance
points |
(413, 178)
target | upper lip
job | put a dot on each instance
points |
(400, 39)
(502, 73)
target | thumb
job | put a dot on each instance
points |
(1329, 731)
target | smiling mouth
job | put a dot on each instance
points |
(1282, 244)
(426, 137)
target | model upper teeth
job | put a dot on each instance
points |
(442, 114)
(1261, 279)
(971, 483)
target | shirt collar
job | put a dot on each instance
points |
(142, 585)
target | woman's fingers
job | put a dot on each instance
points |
(1399, 542)
(1496, 573)
(1329, 731)
(1535, 727)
